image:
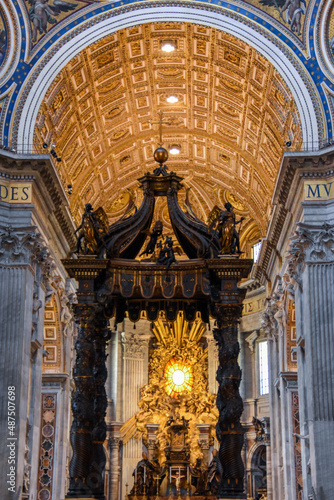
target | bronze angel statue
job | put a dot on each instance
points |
(41, 13)
(93, 227)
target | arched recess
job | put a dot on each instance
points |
(257, 464)
(269, 46)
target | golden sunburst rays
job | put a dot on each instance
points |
(179, 377)
(129, 430)
(179, 330)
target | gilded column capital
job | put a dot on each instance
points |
(310, 245)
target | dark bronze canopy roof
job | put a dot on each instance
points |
(126, 237)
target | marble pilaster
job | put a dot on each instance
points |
(270, 328)
(311, 267)
(24, 265)
(134, 376)
(114, 444)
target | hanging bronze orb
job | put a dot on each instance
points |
(161, 155)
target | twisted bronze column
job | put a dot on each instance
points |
(82, 404)
(99, 433)
(230, 432)
(89, 403)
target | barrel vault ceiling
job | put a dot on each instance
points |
(233, 116)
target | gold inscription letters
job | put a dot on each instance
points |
(15, 192)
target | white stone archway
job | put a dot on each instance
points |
(47, 68)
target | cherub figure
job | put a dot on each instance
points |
(166, 255)
(154, 235)
(41, 12)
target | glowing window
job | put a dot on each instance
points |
(256, 251)
(263, 368)
(179, 377)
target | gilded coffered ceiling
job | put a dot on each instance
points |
(233, 116)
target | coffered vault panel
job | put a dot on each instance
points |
(233, 116)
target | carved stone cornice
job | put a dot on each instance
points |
(295, 168)
(39, 168)
(310, 245)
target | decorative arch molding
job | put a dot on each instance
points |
(322, 43)
(12, 53)
(11, 58)
(283, 59)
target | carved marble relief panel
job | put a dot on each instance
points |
(297, 447)
(52, 345)
(291, 337)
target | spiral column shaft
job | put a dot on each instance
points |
(230, 432)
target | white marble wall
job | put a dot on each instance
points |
(134, 376)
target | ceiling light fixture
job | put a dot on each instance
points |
(172, 99)
(175, 150)
(168, 46)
